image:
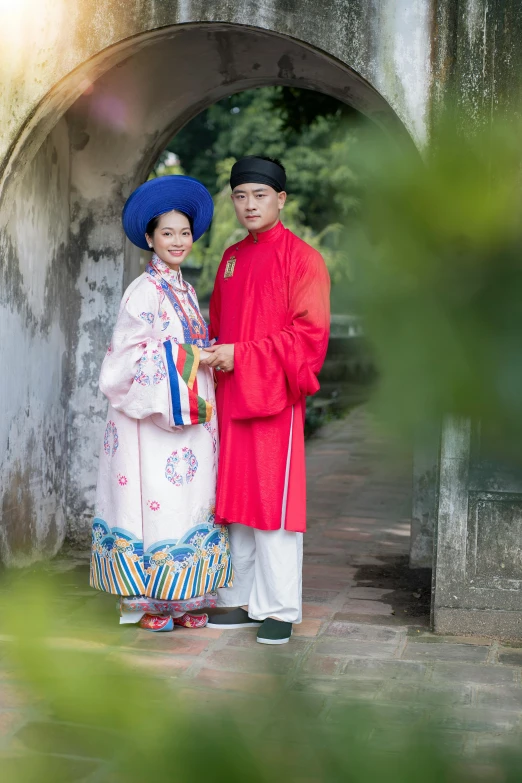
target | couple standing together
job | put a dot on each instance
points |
(187, 518)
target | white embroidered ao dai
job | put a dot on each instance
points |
(154, 533)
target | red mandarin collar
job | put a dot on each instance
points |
(272, 235)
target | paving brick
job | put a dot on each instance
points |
(500, 697)
(317, 596)
(313, 550)
(398, 621)
(445, 652)
(245, 707)
(350, 648)
(324, 583)
(320, 560)
(367, 560)
(338, 573)
(204, 633)
(385, 715)
(418, 635)
(368, 593)
(322, 664)
(247, 639)
(478, 719)
(362, 521)
(357, 606)
(384, 669)
(325, 508)
(366, 689)
(158, 665)
(485, 675)
(238, 681)
(450, 741)
(320, 512)
(316, 611)
(361, 632)
(75, 643)
(424, 693)
(484, 744)
(366, 508)
(178, 644)
(343, 688)
(92, 636)
(350, 549)
(343, 478)
(348, 535)
(235, 659)
(307, 628)
(308, 702)
(510, 657)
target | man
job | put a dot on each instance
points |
(270, 316)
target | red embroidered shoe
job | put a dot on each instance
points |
(191, 620)
(155, 623)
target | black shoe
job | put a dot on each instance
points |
(274, 632)
(237, 618)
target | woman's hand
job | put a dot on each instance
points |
(220, 357)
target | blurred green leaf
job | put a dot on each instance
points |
(98, 717)
(438, 269)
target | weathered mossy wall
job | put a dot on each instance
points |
(37, 300)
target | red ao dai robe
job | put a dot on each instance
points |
(274, 307)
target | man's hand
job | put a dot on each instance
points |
(221, 357)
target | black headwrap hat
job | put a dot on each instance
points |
(254, 169)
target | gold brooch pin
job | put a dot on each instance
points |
(229, 268)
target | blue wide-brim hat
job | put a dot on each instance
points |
(164, 194)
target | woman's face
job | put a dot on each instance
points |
(172, 239)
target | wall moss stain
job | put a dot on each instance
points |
(18, 534)
(12, 293)
(32, 524)
(38, 313)
(488, 58)
(286, 68)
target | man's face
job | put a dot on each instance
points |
(257, 206)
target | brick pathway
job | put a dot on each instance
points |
(366, 616)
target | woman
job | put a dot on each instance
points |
(154, 539)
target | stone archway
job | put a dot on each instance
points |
(152, 94)
(66, 260)
(65, 171)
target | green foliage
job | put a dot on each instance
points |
(439, 278)
(167, 165)
(315, 136)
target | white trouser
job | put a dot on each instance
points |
(268, 566)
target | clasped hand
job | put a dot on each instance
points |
(220, 357)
